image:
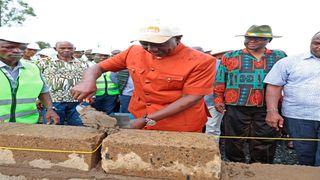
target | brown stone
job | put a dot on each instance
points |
(96, 119)
(49, 146)
(160, 154)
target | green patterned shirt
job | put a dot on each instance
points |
(61, 76)
(239, 79)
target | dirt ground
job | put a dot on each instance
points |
(240, 171)
(230, 171)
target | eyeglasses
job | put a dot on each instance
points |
(256, 39)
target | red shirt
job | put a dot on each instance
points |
(159, 82)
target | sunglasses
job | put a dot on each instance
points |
(257, 39)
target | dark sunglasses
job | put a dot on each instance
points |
(257, 39)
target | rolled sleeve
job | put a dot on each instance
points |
(278, 75)
(45, 87)
(116, 63)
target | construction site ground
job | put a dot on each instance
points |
(41, 136)
(232, 171)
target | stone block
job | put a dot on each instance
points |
(161, 154)
(49, 146)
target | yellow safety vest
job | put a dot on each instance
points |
(104, 84)
(19, 105)
(101, 85)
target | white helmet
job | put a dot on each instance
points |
(33, 46)
(50, 52)
(13, 34)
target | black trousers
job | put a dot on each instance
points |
(248, 122)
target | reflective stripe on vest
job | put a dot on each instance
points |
(19, 101)
(20, 106)
(4, 117)
(17, 115)
(112, 88)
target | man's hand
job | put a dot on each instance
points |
(220, 107)
(52, 115)
(274, 120)
(39, 105)
(84, 91)
(138, 123)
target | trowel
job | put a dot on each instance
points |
(123, 120)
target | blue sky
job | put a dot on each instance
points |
(209, 23)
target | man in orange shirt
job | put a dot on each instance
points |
(169, 79)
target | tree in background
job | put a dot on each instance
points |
(43, 44)
(14, 12)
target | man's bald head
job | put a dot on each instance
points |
(65, 50)
(315, 45)
(63, 42)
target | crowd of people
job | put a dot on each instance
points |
(166, 85)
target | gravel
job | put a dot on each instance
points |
(283, 155)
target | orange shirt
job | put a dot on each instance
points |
(159, 82)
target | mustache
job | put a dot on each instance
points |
(16, 55)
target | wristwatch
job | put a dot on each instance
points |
(149, 122)
(51, 107)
